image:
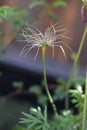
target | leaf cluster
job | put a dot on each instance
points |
(48, 7)
(36, 120)
(55, 3)
(77, 96)
(40, 95)
(8, 13)
(18, 85)
(67, 121)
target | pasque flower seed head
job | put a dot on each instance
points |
(52, 37)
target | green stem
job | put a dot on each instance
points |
(74, 67)
(46, 84)
(85, 106)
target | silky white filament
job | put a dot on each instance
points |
(52, 37)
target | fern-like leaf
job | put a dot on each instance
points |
(35, 120)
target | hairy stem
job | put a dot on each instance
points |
(85, 106)
(46, 84)
(75, 66)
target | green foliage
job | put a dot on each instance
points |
(19, 128)
(42, 99)
(77, 96)
(17, 84)
(78, 81)
(48, 7)
(37, 3)
(55, 3)
(8, 13)
(36, 120)
(67, 121)
(76, 93)
(61, 81)
(59, 93)
(58, 3)
(60, 90)
(73, 56)
(53, 17)
(4, 12)
(35, 89)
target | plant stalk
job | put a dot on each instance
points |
(46, 84)
(74, 67)
(85, 106)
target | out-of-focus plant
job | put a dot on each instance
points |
(18, 85)
(41, 97)
(75, 63)
(18, 89)
(60, 92)
(77, 96)
(15, 17)
(48, 7)
(76, 58)
(55, 3)
(14, 14)
(38, 119)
